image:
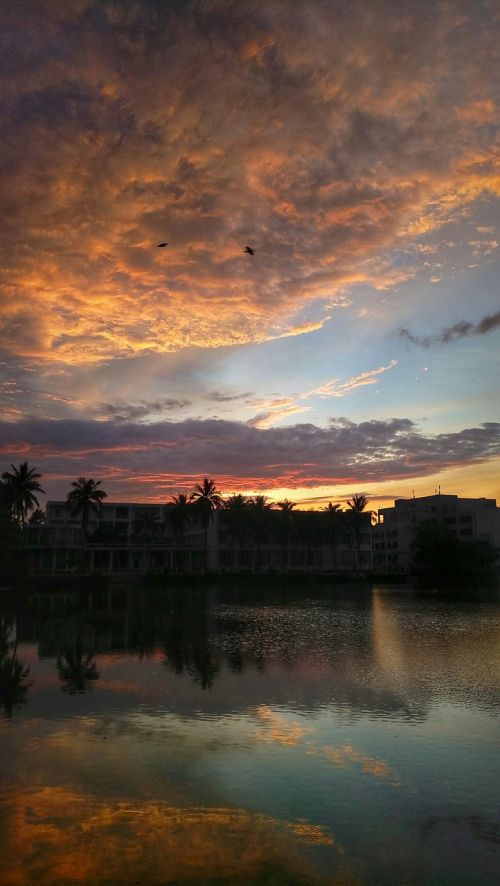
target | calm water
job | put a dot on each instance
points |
(251, 736)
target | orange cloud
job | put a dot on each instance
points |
(321, 143)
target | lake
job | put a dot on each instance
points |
(220, 735)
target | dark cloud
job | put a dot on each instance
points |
(143, 410)
(227, 396)
(145, 458)
(461, 329)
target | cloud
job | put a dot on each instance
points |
(135, 412)
(227, 396)
(461, 329)
(321, 138)
(266, 419)
(152, 460)
(336, 388)
(282, 407)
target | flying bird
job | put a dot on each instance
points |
(162, 244)
(249, 250)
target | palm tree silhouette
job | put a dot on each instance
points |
(83, 498)
(357, 504)
(21, 486)
(286, 507)
(206, 498)
(260, 507)
(237, 511)
(178, 516)
(333, 512)
(148, 528)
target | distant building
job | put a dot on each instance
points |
(470, 519)
(113, 545)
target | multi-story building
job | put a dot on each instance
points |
(114, 542)
(470, 519)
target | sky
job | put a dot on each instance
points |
(353, 145)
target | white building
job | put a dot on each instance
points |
(113, 545)
(471, 519)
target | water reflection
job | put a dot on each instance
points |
(14, 674)
(388, 655)
(77, 667)
(163, 844)
(250, 736)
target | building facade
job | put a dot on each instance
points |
(470, 519)
(115, 543)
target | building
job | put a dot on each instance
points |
(132, 537)
(471, 519)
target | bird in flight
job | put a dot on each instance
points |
(162, 244)
(249, 250)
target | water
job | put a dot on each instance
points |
(249, 736)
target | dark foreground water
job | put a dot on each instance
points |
(249, 736)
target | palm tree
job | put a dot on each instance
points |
(178, 517)
(260, 507)
(237, 510)
(20, 487)
(286, 507)
(84, 497)
(333, 512)
(147, 527)
(207, 498)
(357, 504)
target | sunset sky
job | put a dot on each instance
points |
(353, 145)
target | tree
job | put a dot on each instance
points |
(357, 503)
(20, 487)
(83, 498)
(357, 513)
(286, 507)
(147, 528)
(178, 517)
(260, 508)
(333, 512)
(441, 560)
(237, 512)
(206, 498)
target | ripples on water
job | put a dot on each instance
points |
(249, 736)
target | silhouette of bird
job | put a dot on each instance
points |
(249, 250)
(162, 244)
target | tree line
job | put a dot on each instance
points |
(244, 516)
